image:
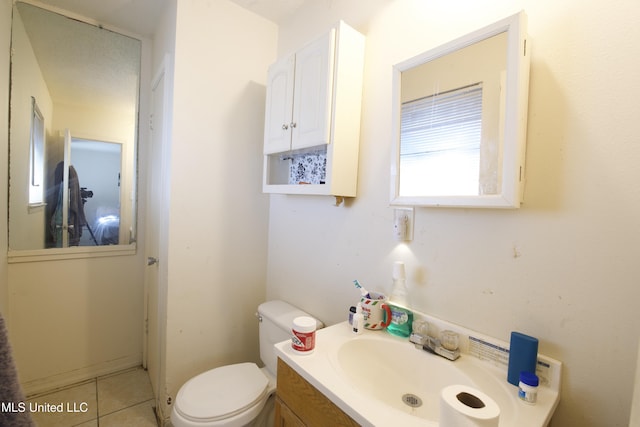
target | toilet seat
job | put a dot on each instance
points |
(222, 393)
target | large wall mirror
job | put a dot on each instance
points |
(459, 121)
(73, 135)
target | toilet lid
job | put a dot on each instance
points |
(222, 392)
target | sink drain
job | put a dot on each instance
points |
(411, 400)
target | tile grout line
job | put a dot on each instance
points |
(59, 389)
(130, 405)
(100, 396)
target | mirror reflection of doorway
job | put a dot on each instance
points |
(93, 200)
(98, 165)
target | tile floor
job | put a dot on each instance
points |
(121, 399)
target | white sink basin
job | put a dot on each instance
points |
(379, 379)
(393, 372)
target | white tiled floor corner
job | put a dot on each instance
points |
(121, 399)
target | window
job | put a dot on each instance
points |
(36, 153)
(440, 138)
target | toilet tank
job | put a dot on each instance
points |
(276, 318)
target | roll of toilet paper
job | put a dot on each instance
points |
(464, 406)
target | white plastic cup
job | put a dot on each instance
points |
(303, 338)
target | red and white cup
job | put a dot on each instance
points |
(376, 311)
(303, 338)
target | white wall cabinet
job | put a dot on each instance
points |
(299, 97)
(312, 119)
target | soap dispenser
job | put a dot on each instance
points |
(401, 316)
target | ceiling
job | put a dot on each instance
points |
(82, 65)
(140, 16)
(274, 10)
(136, 16)
(78, 73)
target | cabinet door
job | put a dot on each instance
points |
(313, 93)
(284, 416)
(277, 131)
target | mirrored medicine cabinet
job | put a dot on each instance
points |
(73, 137)
(459, 121)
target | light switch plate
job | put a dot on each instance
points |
(403, 223)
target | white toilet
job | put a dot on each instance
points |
(240, 394)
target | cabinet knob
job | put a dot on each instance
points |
(293, 124)
(285, 127)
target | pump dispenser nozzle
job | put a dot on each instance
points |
(398, 270)
(399, 292)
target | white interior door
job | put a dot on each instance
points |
(156, 238)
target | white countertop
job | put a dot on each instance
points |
(322, 369)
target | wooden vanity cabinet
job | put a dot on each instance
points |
(298, 403)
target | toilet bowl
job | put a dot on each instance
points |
(231, 395)
(240, 394)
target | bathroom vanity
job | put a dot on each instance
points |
(298, 403)
(379, 379)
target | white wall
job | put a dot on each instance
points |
(564, 267)
(218, 216)
(75, 319)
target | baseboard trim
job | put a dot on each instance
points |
(66, 379)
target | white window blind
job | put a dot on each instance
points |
(440, 136)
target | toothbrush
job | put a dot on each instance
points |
(363, 291)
